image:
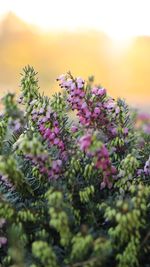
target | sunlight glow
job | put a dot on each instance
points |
(121, 19)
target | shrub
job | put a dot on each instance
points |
(74, 178)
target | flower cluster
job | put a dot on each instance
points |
(94, 108)
(34, 152)
(48, 124)
(44, 119)
(52, 169)
(52, 133)
(88, 109)
(15, 125)
(5, 181)
(100, 155)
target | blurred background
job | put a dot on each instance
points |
(109, 39)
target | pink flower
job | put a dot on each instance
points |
(101, 92)
(56, 141)
(85, 142)
(61, 78)
(125, 130)
(41, 111)
(61, 145)
(42, 128)
(98, 91)
(97, 111)
(47, 133)
(48, 115)
(104, 152)
(146, 129)
(3, 241)
(110, 104)
(73, 86)
(55, 123)
(94, 90)
(74, 128)
(87, 113)
(84, 106)
(51, 136)
(56, 130)
(80, 82)
(117, 110)
(2, 222)
(113, 131)
(103, 185)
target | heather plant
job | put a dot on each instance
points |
(74, 178)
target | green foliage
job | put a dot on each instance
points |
(129, 218)
(58, 216)
(44, 253)
(81, 246)
(29, 86)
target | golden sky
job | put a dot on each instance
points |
(121, 19)
(75, 36)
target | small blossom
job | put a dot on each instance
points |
(74, 128)
(125, 131)
(2, 222)
(97, 111)
(85, 142)
(3, 241)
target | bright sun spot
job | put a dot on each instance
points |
(120, 19)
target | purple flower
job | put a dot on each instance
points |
(56, 166)
(42, 128)
(85, 142)
(3, 241)
(51, 136)
(114, 131)
(17, 125)
(34, 111)
(5, 180)
(94, 90)
(2, 222)
(61, 145)
(73, 86)
(44, 119)
(47, 133)
(48, 115)
(74, 128)
(41, 111)
(84, 106)
(61, 78)
(97, 111)
(56, 130)
(110, 104)
(139, 172)
(125, 131)
(103, 185)
(146, 129)
(55, 123)
(35, 117)
(101, 92)
(98, 91)
(56, 141)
